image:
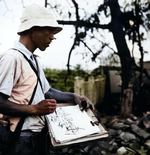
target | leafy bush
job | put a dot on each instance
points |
(56, 78)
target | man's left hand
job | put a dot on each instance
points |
(83, 102)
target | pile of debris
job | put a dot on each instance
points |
(129, 136)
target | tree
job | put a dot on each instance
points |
(122, 23)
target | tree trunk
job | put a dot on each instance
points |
(116, 28)
(125, 58)
(126, 105)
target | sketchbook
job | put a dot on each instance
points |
(69, 125)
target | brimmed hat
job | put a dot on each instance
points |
(36, 15)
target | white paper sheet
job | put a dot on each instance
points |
(70, 123)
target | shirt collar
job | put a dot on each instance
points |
(23, 49)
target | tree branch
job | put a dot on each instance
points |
(76, 8)
(87, 46)
(75, 40)
(69, 56)
(81, 23)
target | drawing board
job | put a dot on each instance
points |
(70, 125)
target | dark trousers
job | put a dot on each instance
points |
(32, 143)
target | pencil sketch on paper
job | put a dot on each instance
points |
(65, 121)
(69, 123)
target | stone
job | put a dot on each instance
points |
(104, 153)
(123, 143)
(139, 131)
(126, 136)
(114, 133)
(118, 126)
(135, 146)
(121, 150)
(87, 148)
(65, 149)
(147, 143)
(95, 151)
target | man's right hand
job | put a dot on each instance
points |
(10, 108)
(45, 107)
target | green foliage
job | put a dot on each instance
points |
(56, 78)
(96, 72)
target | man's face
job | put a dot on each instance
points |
(41, 37)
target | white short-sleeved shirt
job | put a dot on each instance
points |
(18, 80)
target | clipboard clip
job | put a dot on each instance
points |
(96, 116)
(94, 123)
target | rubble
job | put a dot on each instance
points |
(126, 137)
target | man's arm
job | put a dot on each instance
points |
(13, 109)
(59, 96)
(67, 97)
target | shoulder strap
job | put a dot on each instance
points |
(32, 66)
(20, 124)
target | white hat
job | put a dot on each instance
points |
(36, 15)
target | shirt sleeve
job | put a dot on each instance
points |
(9, 73)
(46, 85)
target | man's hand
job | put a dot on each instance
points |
(83, 102)
(45, 107)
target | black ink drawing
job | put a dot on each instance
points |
(65, 121)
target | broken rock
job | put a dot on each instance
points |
(140, 132)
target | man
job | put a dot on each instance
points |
(18, 82)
